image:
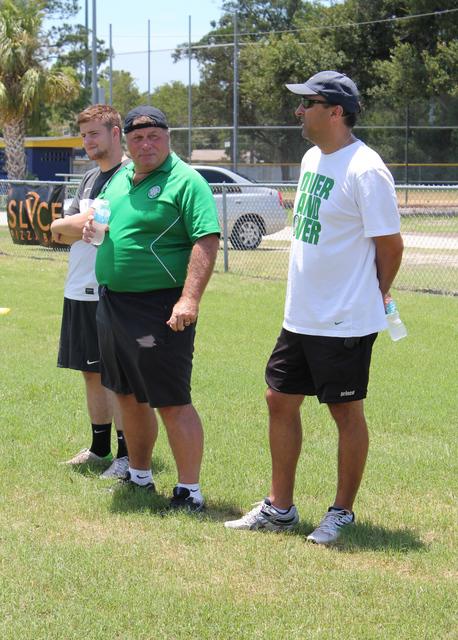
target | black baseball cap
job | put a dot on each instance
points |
(336, 87)
(156, 117)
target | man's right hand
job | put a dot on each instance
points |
(88, 229)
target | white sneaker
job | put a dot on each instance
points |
(330, 527)
(117, 469)
(265, 516)
(85, 456)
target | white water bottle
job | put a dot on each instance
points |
(101, 218)
(396, 327)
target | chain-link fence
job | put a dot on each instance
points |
(429, 225)
(256, 220)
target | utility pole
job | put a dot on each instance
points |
(94, 52)
(189, 93)
(235, 98)
(111, 66)
(149, 62)
(86, 59)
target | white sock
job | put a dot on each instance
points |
(141, 476)
(194, 490)
(281, 511)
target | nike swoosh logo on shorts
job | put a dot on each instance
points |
(92, 361)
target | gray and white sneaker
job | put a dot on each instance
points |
(85, 456)
(331, 525)
(265, 516)
(117, 469)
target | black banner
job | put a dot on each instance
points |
(30, 211)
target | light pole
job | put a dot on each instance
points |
(111, 65)
(189, 92)
(94, 52)
(86, 36)
(149, 62)
(235, 106)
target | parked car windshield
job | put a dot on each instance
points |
(212, 175)
(246, 177)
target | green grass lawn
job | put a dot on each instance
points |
(78, 561)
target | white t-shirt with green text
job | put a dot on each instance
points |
(344, 199)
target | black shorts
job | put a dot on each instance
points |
(78, 345)
(140, 353)
(333, 369)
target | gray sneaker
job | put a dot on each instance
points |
(85, 456)
(117, 469)
(330, 527)
(265, 516)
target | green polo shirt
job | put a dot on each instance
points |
(153, 227)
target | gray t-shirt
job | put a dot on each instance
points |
(81, 283)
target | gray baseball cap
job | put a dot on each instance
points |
(336, 87)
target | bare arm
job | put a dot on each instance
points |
(201, 263)
(68, 229)
(388, 256)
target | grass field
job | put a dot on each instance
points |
(78, 561)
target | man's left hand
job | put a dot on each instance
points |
(184, 313)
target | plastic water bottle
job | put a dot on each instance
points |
(101, 217)
(396, 327)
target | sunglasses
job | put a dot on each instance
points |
(308, 103)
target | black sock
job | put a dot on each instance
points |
(122, 447)
(101, 439)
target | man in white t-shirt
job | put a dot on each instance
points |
(345, 252)
(100, 128)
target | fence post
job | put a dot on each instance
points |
(406, 156)
(225, 238)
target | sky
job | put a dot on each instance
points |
(169, 26)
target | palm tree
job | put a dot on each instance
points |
(25, 83)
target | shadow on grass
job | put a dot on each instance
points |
(220, 511)
(94, 469)
(366, 536)
(128, 499)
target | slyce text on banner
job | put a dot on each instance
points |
(30, 211)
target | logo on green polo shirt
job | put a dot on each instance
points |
(306, 223)
(154, 192)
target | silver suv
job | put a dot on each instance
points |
(252, 211)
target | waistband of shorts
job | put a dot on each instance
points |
(155, 293)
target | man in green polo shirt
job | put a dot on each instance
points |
(153, 267)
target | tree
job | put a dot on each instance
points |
(283, 59)
(256, 20)
(401, 53)
(24, 80)
(68, 45)
(126, 94)
(172, 98)
(417, 82)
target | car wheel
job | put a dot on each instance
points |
(246, 234)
